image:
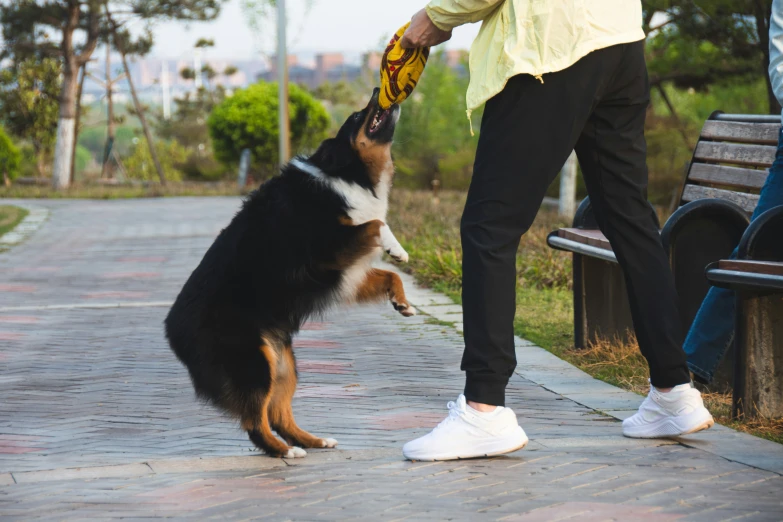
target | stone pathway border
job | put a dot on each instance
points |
(32, 222)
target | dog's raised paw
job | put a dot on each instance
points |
(295, 453)
(398, 254)
(329, 443)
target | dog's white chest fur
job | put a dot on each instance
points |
(363, 206)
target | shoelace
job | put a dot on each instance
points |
(454, 413)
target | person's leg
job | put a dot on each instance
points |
(613, 155)
(612, 152)
(527, 133)
(712, 331)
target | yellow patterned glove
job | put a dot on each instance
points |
(400, 70)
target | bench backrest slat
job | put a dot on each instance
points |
(735, 153)
(748, 202)
(728, 176)
(732, 159)
(741, 132)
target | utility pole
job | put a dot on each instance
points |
(282, 85)
(567, 206)
(165, 85)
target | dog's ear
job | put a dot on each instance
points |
(333, 154)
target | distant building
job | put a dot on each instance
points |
(148, 73)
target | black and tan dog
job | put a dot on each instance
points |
(302, 242)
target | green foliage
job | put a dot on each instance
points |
(171, 154)
(83, 159)
(699, 44)
(10, 157)
(29, 106)
(248, 119)
(203, 167)
(433, 140)
(94, 140)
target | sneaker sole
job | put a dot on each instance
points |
(699, 420)
(518, 445)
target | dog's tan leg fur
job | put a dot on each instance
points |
(281, 415)
(382, 284)
(259, 429)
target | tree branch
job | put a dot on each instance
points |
(677, 120)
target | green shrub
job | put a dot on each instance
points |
(83, 159)
(10, 157)
(248, 120)
(171, 155)
(204, 168)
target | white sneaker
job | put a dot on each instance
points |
(467, 433)
(679, 412)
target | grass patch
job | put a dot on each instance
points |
(430, 234)
(10, 216)
(437, 322)
(123, 191)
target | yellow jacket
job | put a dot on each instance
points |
(534, 36)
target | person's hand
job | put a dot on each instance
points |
(423, 33)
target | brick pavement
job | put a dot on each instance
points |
(98, 419)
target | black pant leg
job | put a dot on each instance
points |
(527, 133)
(613, 155)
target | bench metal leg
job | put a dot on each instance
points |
(601, 308)
(758, 367)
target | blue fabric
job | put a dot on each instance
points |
(712, 331)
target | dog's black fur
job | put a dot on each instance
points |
(278, 262)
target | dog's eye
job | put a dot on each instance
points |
(357, 116)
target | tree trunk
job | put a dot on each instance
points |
(142, 119)
(77, 128)
(40, 160)
(66, 126)
(107, 170)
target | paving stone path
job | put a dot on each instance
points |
(98, 419)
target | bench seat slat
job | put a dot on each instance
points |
(746, 201)
(756, 267)
(586, 237)
(734, 153)
(760, 133)
(728, 176)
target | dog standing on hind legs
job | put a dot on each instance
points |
(302, 243)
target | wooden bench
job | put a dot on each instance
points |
(719, 193)
(757, 278)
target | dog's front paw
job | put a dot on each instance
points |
(398, 254)
(295, 453)
(403, 307)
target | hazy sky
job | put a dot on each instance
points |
(332, 25)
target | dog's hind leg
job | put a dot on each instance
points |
(382, 284)
(281, 415)
(257, 425)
